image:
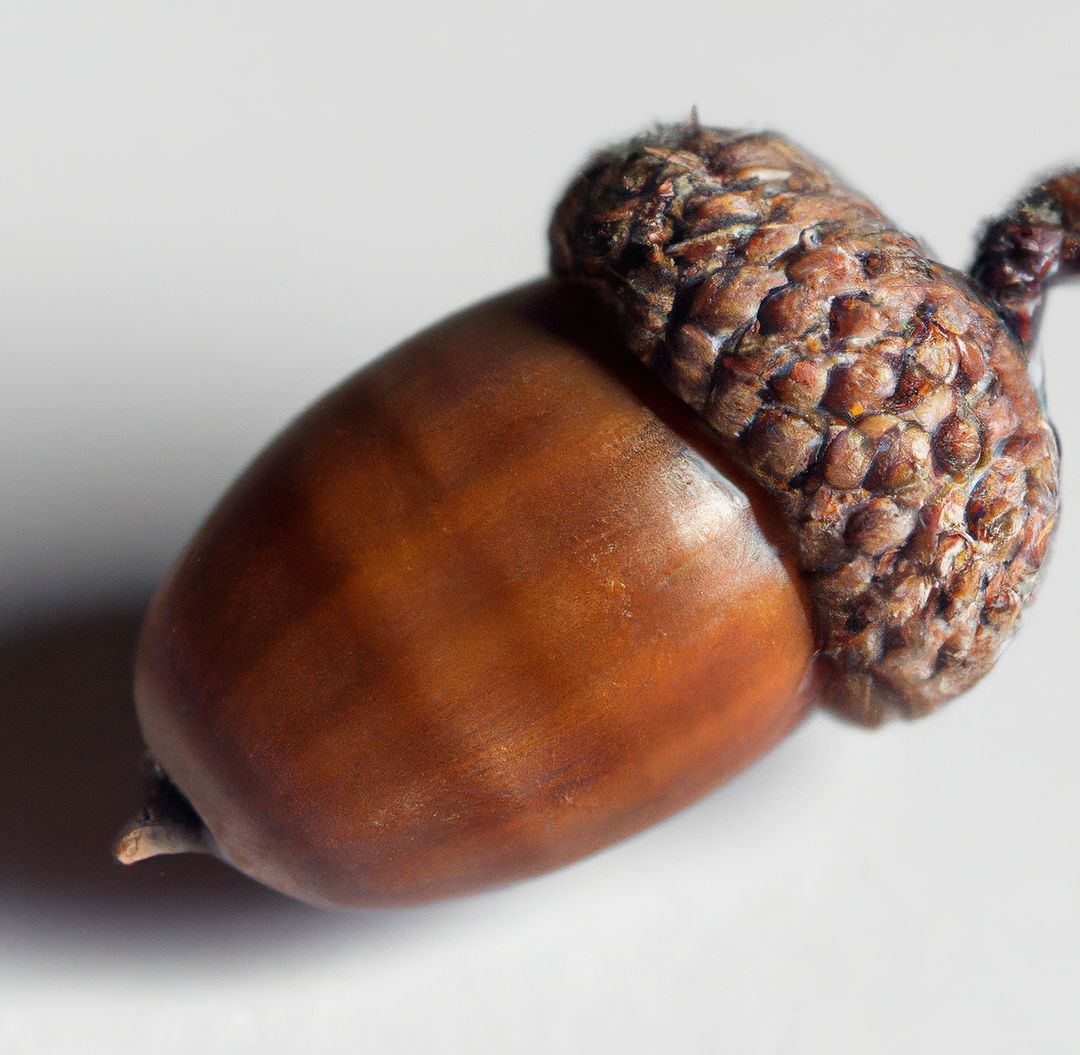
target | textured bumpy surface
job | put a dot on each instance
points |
(875, 393)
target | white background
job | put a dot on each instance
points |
(210, 212)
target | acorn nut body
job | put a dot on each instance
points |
(495, 602)
(502, 598)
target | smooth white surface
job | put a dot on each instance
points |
(210, 212)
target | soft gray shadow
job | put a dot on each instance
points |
(70, 773)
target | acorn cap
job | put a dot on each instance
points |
(879, 397)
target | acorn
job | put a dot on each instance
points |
(565, 562)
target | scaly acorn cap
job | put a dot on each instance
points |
(880, 397)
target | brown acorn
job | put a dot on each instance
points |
(500, 599)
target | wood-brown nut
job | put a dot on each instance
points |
(495, 602)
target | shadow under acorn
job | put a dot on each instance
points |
(71, 772)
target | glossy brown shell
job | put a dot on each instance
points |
(492, 604)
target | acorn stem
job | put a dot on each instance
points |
(1023, 251)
